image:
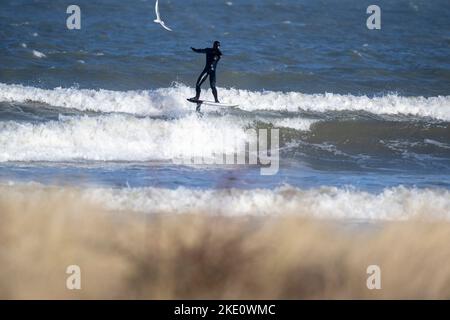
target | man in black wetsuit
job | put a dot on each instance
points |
(212, 58)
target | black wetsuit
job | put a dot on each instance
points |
(212, 58)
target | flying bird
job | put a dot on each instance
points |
(158, 17)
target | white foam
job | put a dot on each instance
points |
(173, 100)
(398, 203)
(437, 143)
(294, 123)
(121, 137)
(434, 107)
(38, 54)
(157, 102)
(391, 204)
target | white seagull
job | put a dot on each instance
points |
(158, 17)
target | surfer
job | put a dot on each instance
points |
(213, 56)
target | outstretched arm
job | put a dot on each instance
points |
(199, 50)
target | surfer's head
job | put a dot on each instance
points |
(216, 44)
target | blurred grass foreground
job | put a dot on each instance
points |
(130, 255)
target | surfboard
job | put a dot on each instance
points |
(212, 103)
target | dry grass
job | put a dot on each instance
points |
(133, 256)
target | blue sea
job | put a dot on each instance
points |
(363, 115)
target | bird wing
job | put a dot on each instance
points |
(164, 26)
(157, 11)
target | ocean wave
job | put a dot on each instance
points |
(172, 100)
(297, 123)
(398, 203)
(134, 102)
(118, 137)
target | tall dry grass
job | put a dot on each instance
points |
(137, 256)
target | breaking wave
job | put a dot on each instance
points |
(118, 137)
(172, 100)
(398, 203)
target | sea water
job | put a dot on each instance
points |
(363, 115)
